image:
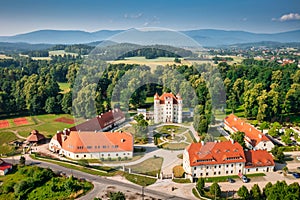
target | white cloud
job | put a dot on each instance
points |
(133, 16)
(153, 21)
(288, 17)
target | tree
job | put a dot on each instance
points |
(255, 192)
(278, 153)
(200, 185)
(215, 189)
(50, 105)
(267, 189)
(243, 192)
(22, 160)
(66, 103)
(117, 196)
(285, 170)
(239, 137)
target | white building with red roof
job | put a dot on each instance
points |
(92, 145)
(167, 108)
(223, 159)
(4, 167)
(254, 138)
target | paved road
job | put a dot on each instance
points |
(99, 182)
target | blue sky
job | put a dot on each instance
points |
(264, 16)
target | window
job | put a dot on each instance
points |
(215, 166)
(239, 171)
(84, 155)
(206, 173)
(226, 172)
(195, 168)
(116, 154)
(219, 173)
(207, 167)
(240, 164)
(248, 170)
(194, 175)
(108, 154)
(231, 165)
(201, 174)
(215, 173)
(232, 171)
(76, 156)
(265, 144)
(226, 165)
(219, 166)
(256, 169)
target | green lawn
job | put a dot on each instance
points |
(175, 129)
(64, 87)
(5, 138)
(174, 146)
(140, 180)
(151, 166)
(46, 125)
(181, 180)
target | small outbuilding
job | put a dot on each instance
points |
(35, 137)
(4, 167)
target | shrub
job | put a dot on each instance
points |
(178, 171)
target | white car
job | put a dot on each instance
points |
(298, 158)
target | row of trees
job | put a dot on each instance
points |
(280, 190)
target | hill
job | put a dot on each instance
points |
(205, 37)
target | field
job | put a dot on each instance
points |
(61, 53)
(4, 124)
(149, 167)
(155, 62)
(2, 56)
(20, 121)
(64, 87)
(46, 124)
(5, 138)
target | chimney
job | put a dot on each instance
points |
(232, 141)
(250, 129)
(202, 142)
(259, 135)
(122, 140)
(216, 141)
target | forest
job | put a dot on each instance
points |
(266, 90)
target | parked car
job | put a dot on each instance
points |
(296, 175)
(230, 180)
(245, 179)
(298, 158)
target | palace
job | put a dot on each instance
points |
(167, 108)
(223, 159)
(92, 145)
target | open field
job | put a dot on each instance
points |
(61, 53)
(64, 87)
(151, 166)
(40, 58)
(5, 138)
(45, 124)
(2, 56)
(153, 63)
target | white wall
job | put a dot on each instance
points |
(97, 155)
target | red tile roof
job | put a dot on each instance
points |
(100, 122)
(163, 97)
(35, 136)
(250, 131)
(88, 142)
(258, 158)
(215, 153)
(4, 165)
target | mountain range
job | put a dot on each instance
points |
(205, 37)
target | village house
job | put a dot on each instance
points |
(222, 159)
(4, 167)
(92, 145)
(167, 108)
(254, 139)
(103, 122)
